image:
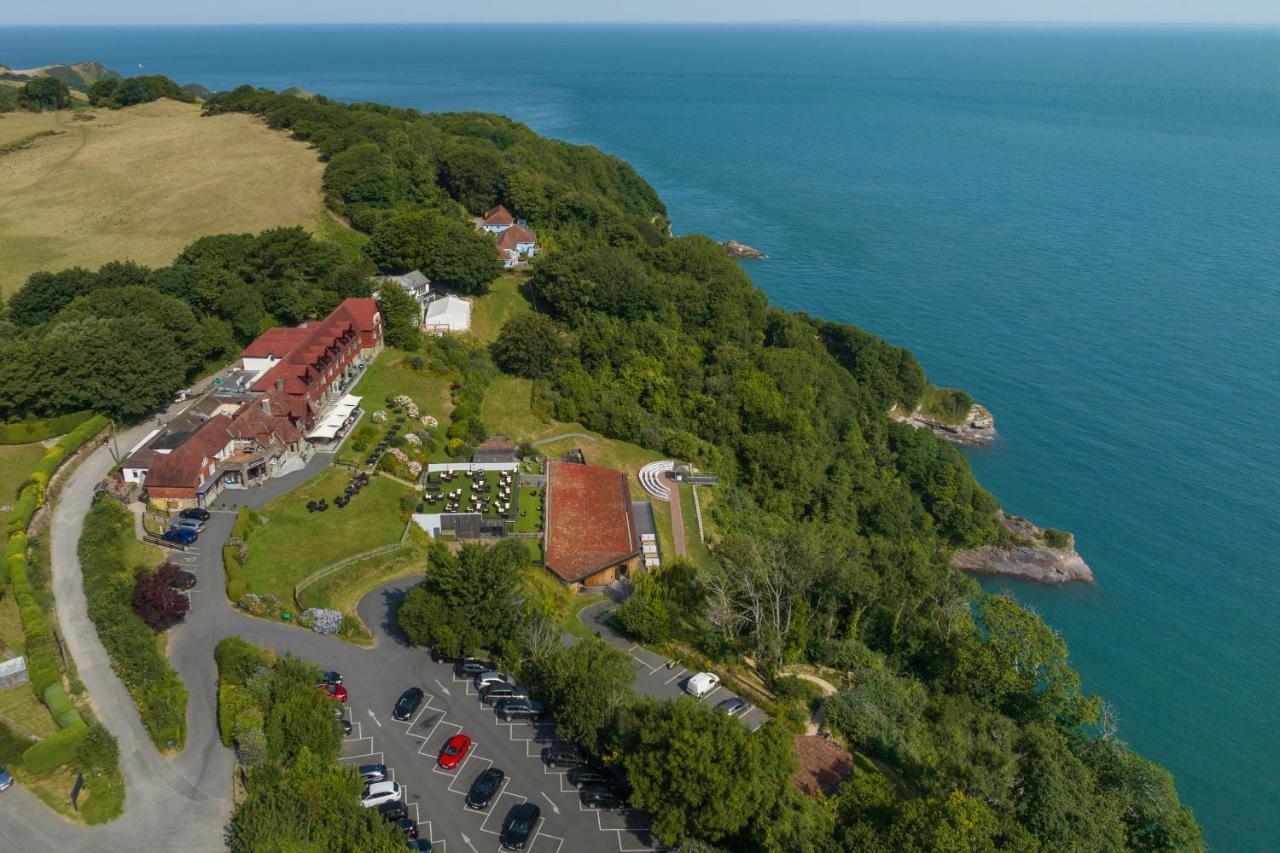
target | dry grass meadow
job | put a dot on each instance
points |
(141, 183)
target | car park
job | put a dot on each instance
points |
(408, 704)
(370, 773)
(183, 579)
(188, 523)
(563, 755)
(519, 826)
(499, 690)
(580, 776)
(180, 536)
(702, 684)
(483, 789)
(394, 810)
(600, 797)
(454, 751)
(381, 792)
(471, 667)
(336, 692)
(518, 709)
(734, 706)
(197, 512)
(490, 677)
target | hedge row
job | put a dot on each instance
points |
(246, 522)
(38, 430)
(55, 750)
(32, 495)
(59, 704)
(131, 644)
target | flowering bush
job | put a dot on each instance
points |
(320, 620)
(379, 416)
(428, 421)
(412, 440)
(415, 468)
(259, 605)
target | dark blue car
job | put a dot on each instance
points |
(180, 535)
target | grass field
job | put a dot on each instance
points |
(19, 704)
(17, 461)
(142, 183)
(530, 518)
(392, 374)
(695, 550)
(503, 301)
(293, 542)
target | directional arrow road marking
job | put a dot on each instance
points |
(554, 807)
(467, 841)
(375, 719)
(441, 686)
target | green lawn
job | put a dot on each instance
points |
(293, 543)
(17, 461)
(390, 375)
(506, 411)
(19, 703)
(503, 301)
(573, 624)
(530, 518)
(342, 591)
(695, 550)
(11, 636)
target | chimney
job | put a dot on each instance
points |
(279, 384)
(266, 405)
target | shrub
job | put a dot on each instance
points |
(237, 585)
(1055, 538)
(27, 432)
(233, 701)
(98, 751)
(59, 704)
(158, 603)
(238, 660)
(55, 750)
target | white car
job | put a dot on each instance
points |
(490, 677)
(381, 792)
(702, 684)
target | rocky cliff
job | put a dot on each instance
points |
(741, 250)
(1033, 556)
(979, 427)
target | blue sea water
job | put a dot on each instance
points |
(1081, 226)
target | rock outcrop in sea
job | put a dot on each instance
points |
(741, 250)
(1031, 557)
(979, 426)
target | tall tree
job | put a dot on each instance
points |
(585, 685)
(400, 315)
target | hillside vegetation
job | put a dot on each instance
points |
(837, 524)
(141, 183)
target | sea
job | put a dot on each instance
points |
(1078, 225)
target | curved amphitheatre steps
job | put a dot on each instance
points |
(652, 477)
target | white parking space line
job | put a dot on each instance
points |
(713, 692)
(677, 675)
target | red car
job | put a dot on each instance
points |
(333, 691)
(454, 751)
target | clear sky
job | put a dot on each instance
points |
(441, 11)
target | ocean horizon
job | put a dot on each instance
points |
(1078, 224)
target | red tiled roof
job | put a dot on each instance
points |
(295, 367)
(278, 342)
(508, 239)
(499, 216)
(253, 422)
(589, 523)
(180, 469)
(822, 765)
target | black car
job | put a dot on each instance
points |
(471, 667)
(421, 845)
(600, 797)
(198, 513)
(410, 828)
(518, 709)
(441, 657)
(563, 755)
(393, 810)
(585, 775)
(498, 690)
(370, 773)
(518, 828)
(484, 787)
(408, 704)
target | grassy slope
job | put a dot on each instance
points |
(391, 374)
(17, 461)
(503, 301)
(293, 543)
(80, 197)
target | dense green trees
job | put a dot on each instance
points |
(400, 315)
(585, 686)
(450, 252)
(530, 345)
(286, 739)
(113, 93)
(45, 93)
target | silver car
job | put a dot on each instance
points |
(193, 524)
